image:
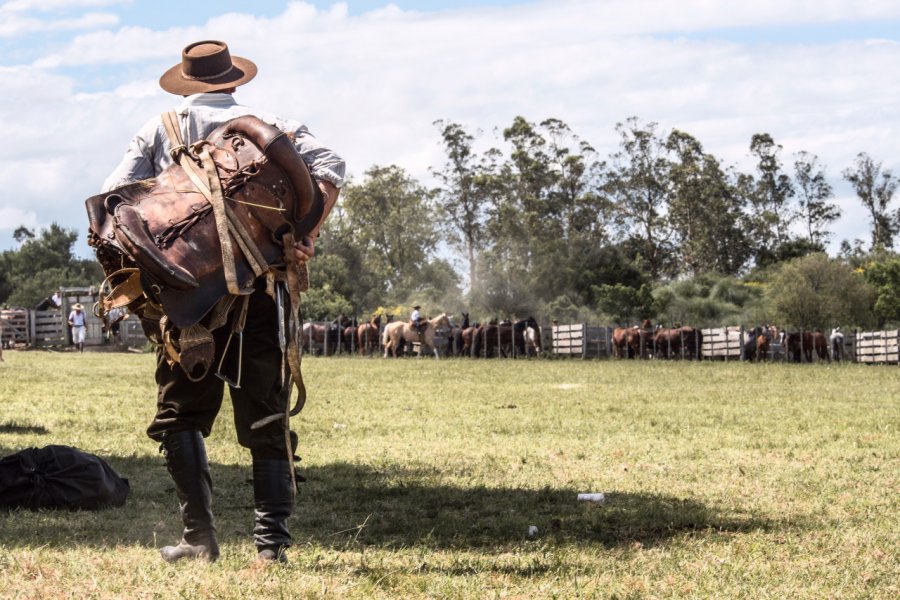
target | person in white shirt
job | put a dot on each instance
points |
(79, 326)
(206, 77)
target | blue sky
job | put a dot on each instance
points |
(80, 76)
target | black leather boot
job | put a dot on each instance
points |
(187, 463)
(274, 501)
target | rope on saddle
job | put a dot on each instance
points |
(207, 181)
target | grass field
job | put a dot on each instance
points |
(722, 480)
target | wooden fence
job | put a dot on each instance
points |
(580, 340)
(878, 346)
(14, 327)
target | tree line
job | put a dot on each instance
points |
(539, 223)
(660, 228)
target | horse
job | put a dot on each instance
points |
(837, 344)
(762, 343)
(820, 345)
(395, 333)
(666, 342)
(327, 335)
(797, 343)
(348, 336)
(456, 336)
(620, 342)
(683, 342)
(468, 339)
(486, 339)
(531, 338)
(640, 339)
(367, 335)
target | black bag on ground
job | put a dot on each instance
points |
(59, 477)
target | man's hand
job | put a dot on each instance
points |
(304, 249)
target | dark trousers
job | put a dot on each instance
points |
(184, 405)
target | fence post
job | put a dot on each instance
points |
(583, 341)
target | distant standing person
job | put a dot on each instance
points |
(56, 299)
(78, 325)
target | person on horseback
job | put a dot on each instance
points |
(415, 319)
(206, 78)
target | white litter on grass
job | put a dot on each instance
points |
(532, 530)
(592, 497)
(568, 386)
(340, 426)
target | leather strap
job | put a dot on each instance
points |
(217, 200)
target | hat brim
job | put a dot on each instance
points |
(174, 82)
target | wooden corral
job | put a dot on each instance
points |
(723, 343)
(580, 339)
(14, 327)
(878, 346)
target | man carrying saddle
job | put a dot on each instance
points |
(228, 323)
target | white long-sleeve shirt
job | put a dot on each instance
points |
(148, 153)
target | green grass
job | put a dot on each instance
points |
(722, 480)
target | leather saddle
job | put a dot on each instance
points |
(196, 239)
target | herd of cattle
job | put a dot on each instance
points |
(523, 338)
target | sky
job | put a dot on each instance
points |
(369, 78)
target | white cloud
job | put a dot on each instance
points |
(12, 217)
(371, 85)
(13, 26)
(55, 5)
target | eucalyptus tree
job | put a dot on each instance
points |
(467, 181)
(875, 189)
(638, 182)
(772, 193)
(705, 213)
(391, 217)
(813, 192)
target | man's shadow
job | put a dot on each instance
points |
(343, 505)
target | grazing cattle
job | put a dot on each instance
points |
(367, 335)
(837, 344)
(396, 333)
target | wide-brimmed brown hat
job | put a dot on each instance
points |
(207, 66)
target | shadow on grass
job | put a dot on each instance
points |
(345, 506)
(13, 427)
